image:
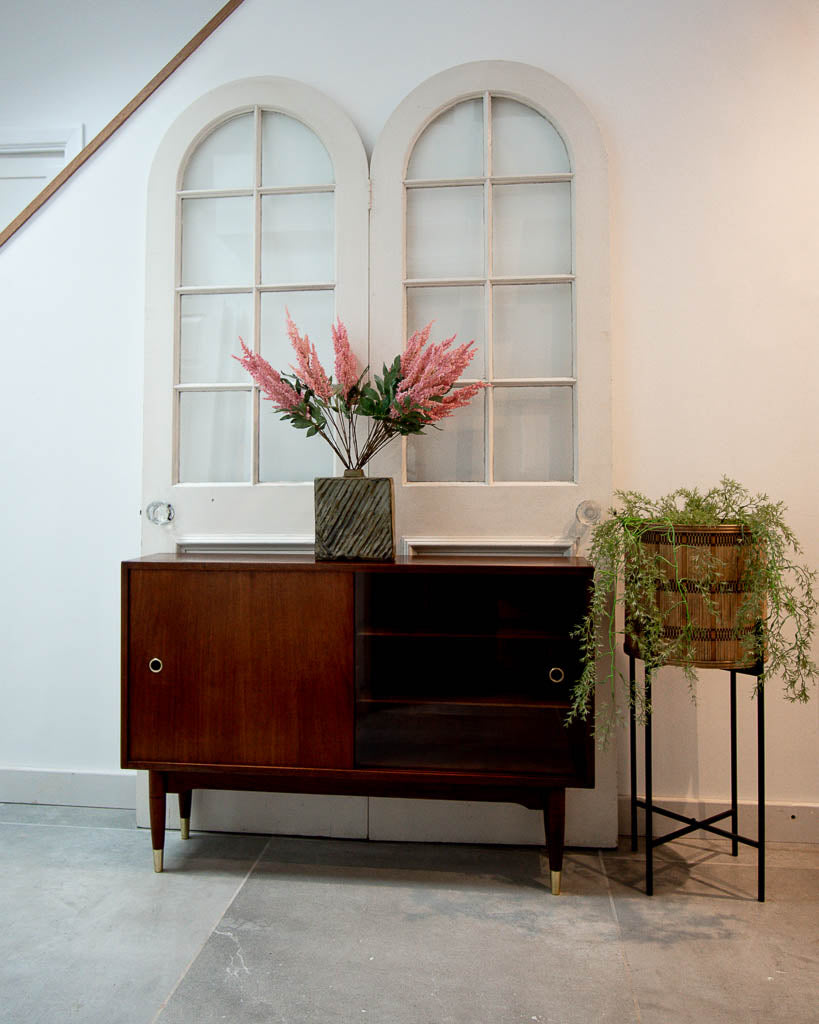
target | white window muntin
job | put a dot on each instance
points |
(489, 280)
(255, 288)
(253, 513)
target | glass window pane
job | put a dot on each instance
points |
(289, 454)
(217, 241)
(214, 437)
(524, 141)
(445, 233)
(452, 145)
(210, 328)
(456, 310)
(298, 238)
(312, 312)
(534, 434)
(532, 334)
(455, 452)
(225, 158)
(292, 153)
(532, 229)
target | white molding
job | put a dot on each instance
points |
(247, 544)
(76, 789)
(784, 822)
(21, 140)
(487, 547)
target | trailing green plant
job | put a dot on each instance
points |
(775, 618)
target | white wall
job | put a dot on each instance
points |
(83, 61)
(707, 110)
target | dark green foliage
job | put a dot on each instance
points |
(378, 401)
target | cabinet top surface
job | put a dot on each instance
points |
(558, 565)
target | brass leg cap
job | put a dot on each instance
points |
(555, 883)
(185, 824)
(158, 855)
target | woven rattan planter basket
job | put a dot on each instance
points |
(717, 640)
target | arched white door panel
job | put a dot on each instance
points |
(258, 202)
(490, 216)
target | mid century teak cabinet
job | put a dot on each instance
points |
(422, 677)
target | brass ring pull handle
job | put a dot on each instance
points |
(155, 664)
(556, 675)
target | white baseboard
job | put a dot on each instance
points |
(591, 816)
(77, 789)
(784, 823)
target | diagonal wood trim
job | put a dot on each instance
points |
(88, 151)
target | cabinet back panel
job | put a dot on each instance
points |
(470, 603)
(257, 668)
(466, 668)
(450, 737)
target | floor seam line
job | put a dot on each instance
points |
(211, 932)
(637, 1014)
(54, 824)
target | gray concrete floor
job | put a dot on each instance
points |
(286, 930)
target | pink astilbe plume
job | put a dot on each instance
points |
(309, 369)
(415, 390)
(347, 372)
(454, 400)
(430, 374)
(270, 381)
(412, 349)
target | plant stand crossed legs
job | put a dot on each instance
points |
(692, 824)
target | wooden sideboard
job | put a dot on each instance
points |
(422, 677)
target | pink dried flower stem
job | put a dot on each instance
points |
(335, 428)
(270, 382)
(346, 366)
(309, 369)
(337, 443)
(378, 436)
(341, 420)
(417, 390)
(430, 373)
(313, 374)
(279, 392)
(456, 399)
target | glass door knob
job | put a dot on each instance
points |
(160, 512)
(588, 513)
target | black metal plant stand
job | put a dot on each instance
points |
(692, 824)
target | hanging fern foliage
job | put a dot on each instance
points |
(660, 593)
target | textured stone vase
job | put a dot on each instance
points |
(354, 518)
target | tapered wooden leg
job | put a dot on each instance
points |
(156, 802)
(554, 821)
(185, 813)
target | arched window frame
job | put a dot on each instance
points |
(235, 516)
(242, 509)
(488, 184)
(592, 457)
